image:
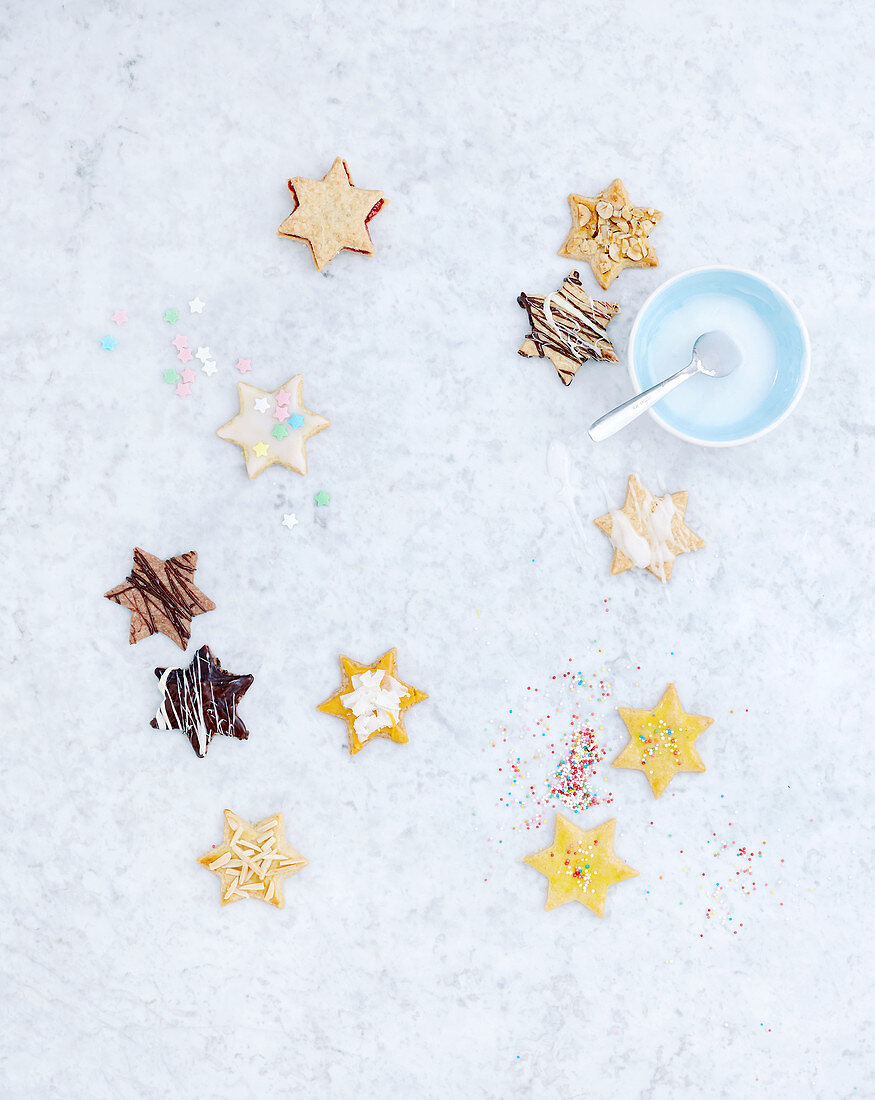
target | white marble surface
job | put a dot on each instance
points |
(144, 156)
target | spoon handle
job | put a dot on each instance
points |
(630, 410)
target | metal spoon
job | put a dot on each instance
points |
(714, 354)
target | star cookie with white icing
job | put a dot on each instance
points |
(253, 860)
(568, 327)
(371, 700)
(201, 701)
(648, 532)
(609, 233)
(272, 428)
(331, 214)
(580, 865)
(662, 740)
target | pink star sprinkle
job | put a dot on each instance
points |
(187, 375)
(281, 412)
(120, 317)
(184, 354)
(283, 398)
(243, 365)
(183, 389)
(179, 342)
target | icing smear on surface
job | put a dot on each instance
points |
(650, 549)
(375, 701)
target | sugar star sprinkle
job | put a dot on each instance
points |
(371, 700)
(196, 305)
(244, 365)
(179, 341)
(279, 431)
(261, 404)
(209, 367)
(201, 701)
(171, 377)
(188, 375)
(250, 429)
(331, 214)
(580, 865)
(648, 532)
(322, 499)
(108, 342)
(290, 520)
(253, 860)
(120, 317)
(161, 596)
(662, 741)
(183, 390)
(184, 354)
(171, 316)
(203, 354)
(295, 420)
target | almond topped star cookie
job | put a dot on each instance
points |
(662, 740)
(371, 700)
(331, 214)
(648, 532)
(580, 865)
(253, 860)
(609, 233)
(273, 427)
(568, 327)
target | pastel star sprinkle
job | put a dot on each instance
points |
(253, 861)
(243, 365)
(108, 342)
(183, 390)
(279, 431)
(282, 397)
(662, 741)
(322, 499)
(250, 427)
(290, 520)
(171, 316)
(209, 367)
(179, 342)
(295, 420)
(196, 305)
(171, 376)
(371, 700)
(261, 404)
(188, 375)
(580, 865)
(184, 354)
(203, 354)
(120, 317)
(280, 412)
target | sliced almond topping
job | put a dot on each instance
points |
(604, 209)
(614, 251)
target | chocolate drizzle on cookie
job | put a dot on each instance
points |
(568, 327)
(161, 596)
(201, 701)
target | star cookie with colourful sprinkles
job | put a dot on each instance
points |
(371, 700)
(662, 740)
(201, 701)
(253, 860)
(161, 596)
(610, 234)
(648, 532)
(331, 214)
(580, 865)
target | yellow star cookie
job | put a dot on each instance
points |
(371, 700)
(580, 865)
(648, 532)
(253, 860)
(330, 214)
(273, 426)
(609, 233)
(662, 741)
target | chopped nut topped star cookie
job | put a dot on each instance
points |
(648, 532)
(580, 865)
(371, 700)
(201, 701)
(662, 741)
(253, 860)
(273, 427)
(610, 234)
(568, 327)
(331, 215)
(161, 595)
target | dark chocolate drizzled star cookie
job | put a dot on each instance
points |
(568, 327)
(161, 595)
(201, 701)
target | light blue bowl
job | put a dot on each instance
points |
(721, 412)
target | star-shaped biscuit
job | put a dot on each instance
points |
(648, 532)
(201, 701)
(609, 233)
(161, 595)
(580, 865)
(662, 741)
(252, 429)
(371, 700)
(253, 860)
(568, 327)
(330, 214)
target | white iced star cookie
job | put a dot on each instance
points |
(276, 433)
